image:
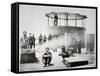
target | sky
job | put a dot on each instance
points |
(33, 20)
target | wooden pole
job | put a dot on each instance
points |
(76, 21)
(67, 19)
(48, 21)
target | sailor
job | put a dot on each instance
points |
(47, 57)
(55, 20)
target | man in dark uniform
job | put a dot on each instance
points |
(40, 39)
(30, 40)
(33, 40)
(79, 47)
(44, 38)
(55, 20)
(46, 58)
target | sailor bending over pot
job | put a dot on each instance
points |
(64, 53)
